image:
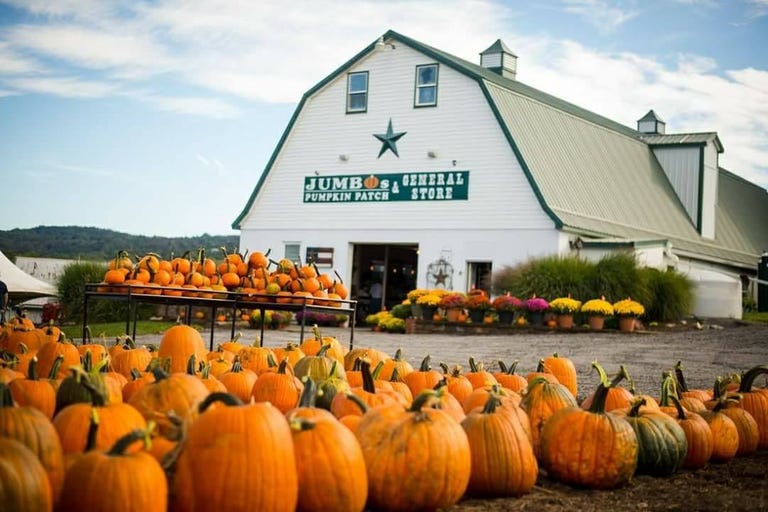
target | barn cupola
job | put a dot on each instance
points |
(651, 123)
(500, 59)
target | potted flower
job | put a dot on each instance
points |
(428, 303)
(506, 306)
(478, 304)
(453, 303)
(565, 307)
(597, 310)
(627, 311)
(413, 297)
(535, 307)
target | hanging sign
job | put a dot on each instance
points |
(407, 186)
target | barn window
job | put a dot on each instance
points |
(426, 86)
(357, 92)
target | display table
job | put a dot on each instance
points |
(214, 300)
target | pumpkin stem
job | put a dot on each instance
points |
(368, 385)
(192, 365)
(444, 367)
(425, 364)
(398, 355)
(680, 411)
(598, 401)
(513, 367)
(54, 373)
(395, 377)
(680, 376)
(749, 378)
(492, 403)
(667, 389)
(377, 371)
(357, 401)
(323, 350)
(226, 398)
(93, 429)
(634, 412)
(421, 400)
(301, 424)
(473, 365)
(541, 367)
(308, 396)
(32, 371)
(6, 399)
(127, 440)
(503, 367)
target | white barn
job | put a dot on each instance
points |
(413, 167)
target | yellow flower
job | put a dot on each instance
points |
(597, 307)
(565, 305)
(628, 307)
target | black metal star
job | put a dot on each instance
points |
(389, 140)
(440, 277)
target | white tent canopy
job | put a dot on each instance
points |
(20, 284)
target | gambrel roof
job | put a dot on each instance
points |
(593, 176)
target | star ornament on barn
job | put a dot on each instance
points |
(389, 140)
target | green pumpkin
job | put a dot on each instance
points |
(661, 441)
(318, 367)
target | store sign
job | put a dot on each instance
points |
(407, 186)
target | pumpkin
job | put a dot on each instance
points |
(47, 354)
(565, 371)
(617, 397)
(590, 447)
(541, 400)
(682, 386)
(458, 384)
(31, 428)
(251, 448)
(661, 442)
(479, 397)
(372, 397)
(34, 392)
(179, 343)
(291, 352)
(256, 358)
(447, 402)
(177, 395)
(130, 357)
(115, 420)
(698, 436)
(748, 432)
(311, 346)
(134, 480)
(239, 381)
(393, 438)
(478, 376)
(756, 403)
(509, 379)
(540, 372)
(330, 465)
(503, 462)
(423, 378)
(318, 367)
(371, 354)
(25, 486)
(396, 362)
(330, 386)
(18, 334)
(280, 388)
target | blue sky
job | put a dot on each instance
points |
(158, 117)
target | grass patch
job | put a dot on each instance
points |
(113, 329)
(754, 316)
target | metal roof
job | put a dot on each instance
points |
(498, 47)
(650, 116)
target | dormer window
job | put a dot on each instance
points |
(357, 92)
(426, 86)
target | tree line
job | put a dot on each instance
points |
(87, 243)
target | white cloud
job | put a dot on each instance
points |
(66, 87)
(604, 14)
(208, 107)
(758, 8)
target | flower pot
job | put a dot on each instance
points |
(453, 314)
(417, 311)
(428, 313)
(565, 321)
(506, 317)
(536, 318)
(476, 315)
(596, 322)
(626, 323)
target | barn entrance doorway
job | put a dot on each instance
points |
(382, 275)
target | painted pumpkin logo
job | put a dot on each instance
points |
(371, 182)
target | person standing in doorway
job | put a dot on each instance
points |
(3, 300)
(375, 292)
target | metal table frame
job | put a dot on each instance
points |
(214, 300)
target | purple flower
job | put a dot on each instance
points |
(536, 304)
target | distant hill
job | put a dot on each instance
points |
(72, 242)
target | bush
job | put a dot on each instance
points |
(71, 287)
(670, 295)
(401, 311)
(667, 296)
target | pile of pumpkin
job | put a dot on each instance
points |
(317, 427)
(250, 275)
